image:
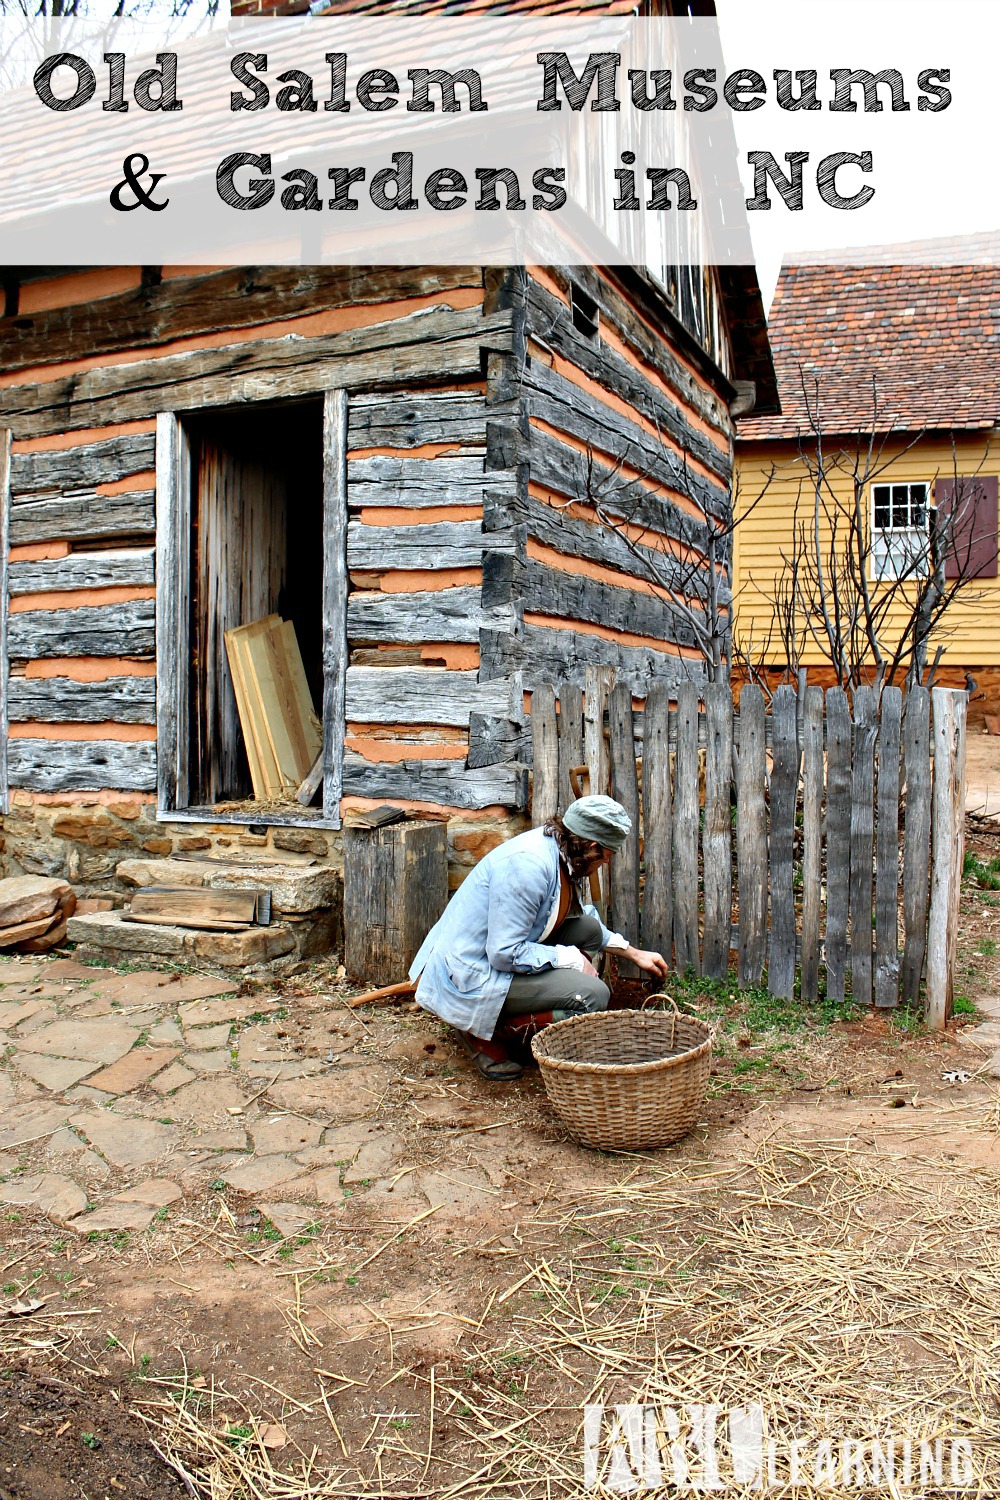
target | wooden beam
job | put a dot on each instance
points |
(335, 647)
(419, 482)
(82, 765)
(62, 700)
(173, 568)
(83, 570)
(548, 654)
(573, 596)
(425, 695)
(90, 630)
(85, 467)
(447, 782)
(408, 419)
(73, 518)
(443, 615)
(435, 546)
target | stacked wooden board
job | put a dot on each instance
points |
(34, 911)
(207, 911)
(283, 736)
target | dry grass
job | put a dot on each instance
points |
(851, 1291)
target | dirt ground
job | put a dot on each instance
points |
(280, 1247)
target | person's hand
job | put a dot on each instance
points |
(652, 963)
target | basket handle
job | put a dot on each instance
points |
(673, 1019)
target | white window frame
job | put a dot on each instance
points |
(882, 566)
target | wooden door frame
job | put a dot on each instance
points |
(173, 646)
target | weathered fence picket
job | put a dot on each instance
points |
(848, 775)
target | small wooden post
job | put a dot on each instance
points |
(395, 888)
(784, 787)
(657, 896)
(862, 842)
(685, 841)
(838, 839)
(544, 755)
(916, 839)
(625, 789)
(717, 839)
(597, 684)
(751, 837)
(812, 839)
(570, 739)
(949, 709)
(887, 853)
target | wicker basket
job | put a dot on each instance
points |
(626, 1080)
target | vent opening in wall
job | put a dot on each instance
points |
(586, 314)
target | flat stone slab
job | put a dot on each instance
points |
(349, 1095)
(203, 1038)
(126, 1141)
(14, 971)
(100, 1040)
(70, 968)
(115, 1217)
(23, 1123)
(288, 1218)
(174, 1077)
(465, 1190)
(287, 1134)
(158, 1191)
(209, 1099)
(993, 1066)
(135, 1068)
(262, 1173)
(255, 945)
(58, 1197)
(222, 1140)
(166, 1034)
(14, 1013)
(108, 929)
(55, 1073)
(372, 1161)
(209, 1062)
(207, 1012)
(294, 887)
(25, 898)
(986, 1036)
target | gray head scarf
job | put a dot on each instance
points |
(599, 819)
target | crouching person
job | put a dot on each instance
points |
(515, 947)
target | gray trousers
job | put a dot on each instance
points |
(561, 989)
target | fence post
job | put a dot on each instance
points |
(784, 787)
(862, 842)
(717, 839)
(685, 849)
(570, 739)
(916, 838)
(544, 755)
(887, 852)
(597, 684)
(949, 709)
(657, 895)
(838, 839)
(751, 837)
(625, 788)
(812, 837)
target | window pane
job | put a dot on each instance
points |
(880, 497)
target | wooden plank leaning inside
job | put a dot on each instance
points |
(282, 733)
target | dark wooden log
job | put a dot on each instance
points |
(335, 586)
(812, 839)
(395, 889)
(916, 840)
(784, 785)
(90, 630)
(838, 840)
(408, 419)
(83, 570)
(657, 824)
(438, 615)
(717, 841)
(625, 789)
(173, 611)
(495, 742)
(212, 303)
(438, 344)
(685, 839)
(417, 483)
(83, 517)
(751, 838)
(85, 467)
(446, 782)
(573, 596)
(5, 457)
(547, 654)
(544, 755)
(886, 988)
(440, 544)
(424, 695)
(862, 840)
(570, 738)
(82, 765)
(61, 700)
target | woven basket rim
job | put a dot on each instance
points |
(627, 1070)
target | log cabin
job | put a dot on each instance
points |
(415, 466)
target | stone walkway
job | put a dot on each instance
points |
(122, 1093)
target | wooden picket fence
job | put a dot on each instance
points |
(809, 835)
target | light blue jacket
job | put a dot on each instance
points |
(489, 932)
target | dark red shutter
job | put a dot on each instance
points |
(972, 552)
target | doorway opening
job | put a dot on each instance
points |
(256, 550)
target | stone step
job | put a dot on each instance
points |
(294, 887)
(108, 934)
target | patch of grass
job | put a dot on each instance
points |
(963, 1006)
(112, 1343)
(984, 873)
(237, 1433)
(218, 1186)
(90, 1440)
(754, 1010)
(986, 948)
(165, 1119)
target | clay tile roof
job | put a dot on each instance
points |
(916, 345)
